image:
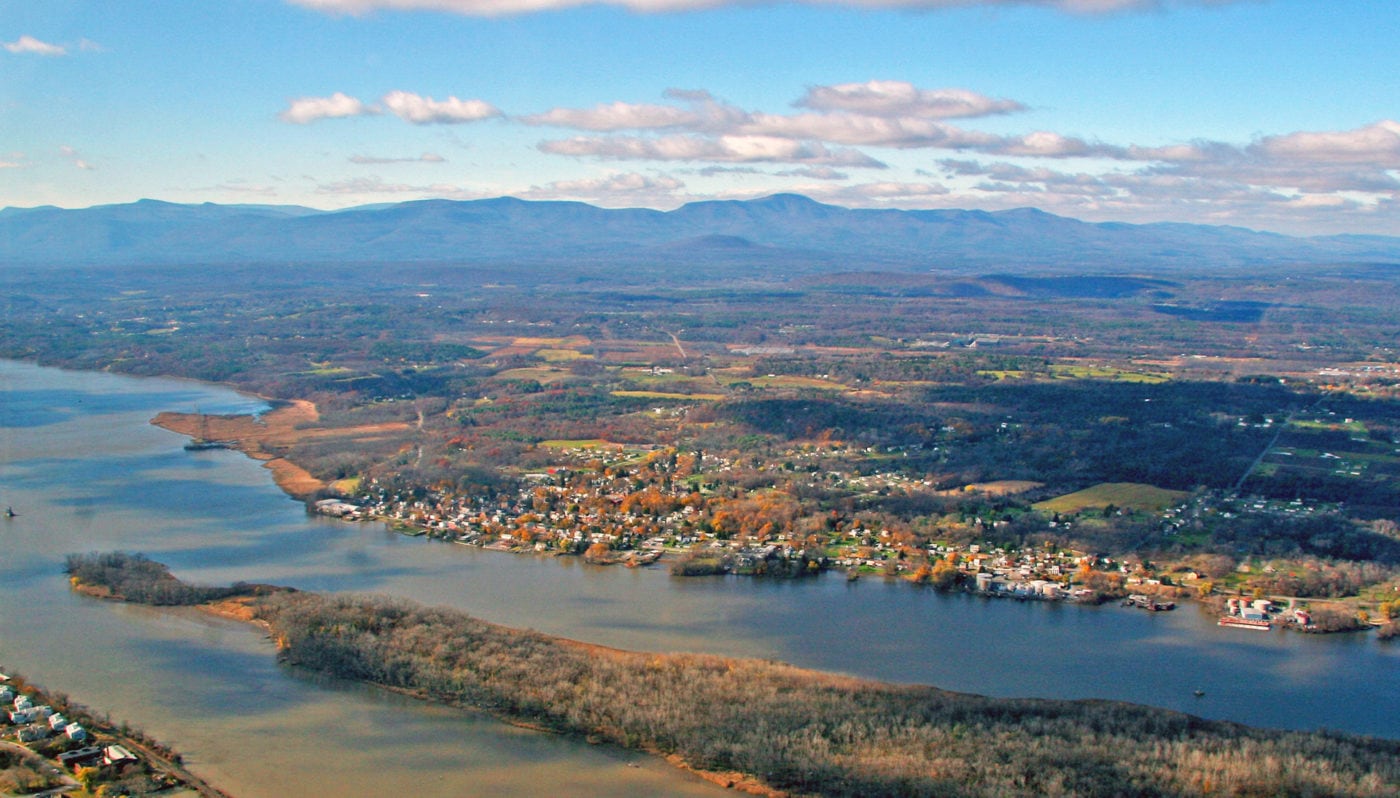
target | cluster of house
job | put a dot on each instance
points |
(571, 509)
(1028, 573)
(549, 511)
(37, 722)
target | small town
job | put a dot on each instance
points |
(636, 506)
(51, 747)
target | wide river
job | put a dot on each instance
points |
(85, 471)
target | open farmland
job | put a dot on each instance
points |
(1122, 495)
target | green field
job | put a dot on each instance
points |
(1070, 371)
(705, 397)
(1127, 495)
(561, 355)
(1354, 427)
(1067, 371)
(542, 375)
(590, 443)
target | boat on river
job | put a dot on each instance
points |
(1260, 624)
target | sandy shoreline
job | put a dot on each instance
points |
(270, 436)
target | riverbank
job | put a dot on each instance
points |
(616, 527)
(245, 609)
(99, 753)
(259, 437)
(269, 436)
(799, 731)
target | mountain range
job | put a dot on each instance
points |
(792, 232)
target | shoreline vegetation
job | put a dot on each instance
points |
(765, 726)
(147, 766)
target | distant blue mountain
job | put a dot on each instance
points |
(785, 231)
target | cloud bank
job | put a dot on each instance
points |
(927, 144)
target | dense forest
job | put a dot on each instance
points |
(791, 729)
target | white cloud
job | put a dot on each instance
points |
(711, 171)
(426, 111)
(1044, 144)
(31, 46)
(628, 189)
(1004, 177)
(723, 149)
(890, 114)
(624, 182)
(405, 105)
(427, 157)
(815, 173)
(896, 98)
(843, 128)
(616, 116)
(1344, 174)
(72, 156)
(305, 110)
(360, 186)
(1376, 144)
(888, 193)
(495, 8)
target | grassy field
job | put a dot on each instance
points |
(1354, 427)
(705, 397)
(646, 379)
(1004, 374)
(1127, 495)
(589, 443)
(786, 381)
(561, 355)
(1078, 372)
(1073, 371)
(542, 375)
(1001, 487)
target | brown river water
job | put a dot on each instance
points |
(85, 471)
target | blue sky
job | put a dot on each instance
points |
(1271, 114)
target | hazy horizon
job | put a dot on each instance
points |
(1275, 115)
